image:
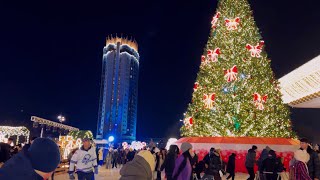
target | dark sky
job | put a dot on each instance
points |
(51, 55)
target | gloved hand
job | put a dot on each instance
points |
(96, 170)
(71, 176)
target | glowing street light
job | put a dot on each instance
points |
(61, 118)
(111, 139)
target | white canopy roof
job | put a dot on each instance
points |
(301, 87)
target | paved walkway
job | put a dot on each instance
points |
(113, 174)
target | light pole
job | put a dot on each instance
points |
(61, 120)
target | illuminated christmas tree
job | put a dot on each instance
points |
(236, 93)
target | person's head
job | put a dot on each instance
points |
(212, 150)
(156, 150)
(86, 143)
(316, 147)
(19, 147)
(173, 149)
(268, 148)
(254, 147)
(304, 143)
(272, 154)
(218, 151)
(233, 154)
(10, 140)
(44, 156)
(186, 148)
(146, 155)
(301, 155)
(32, 139)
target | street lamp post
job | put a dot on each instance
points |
(61, 120)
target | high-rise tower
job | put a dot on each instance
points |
(119, 90)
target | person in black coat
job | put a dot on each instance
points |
(231, 166)
(130, 155)
(5, 153)
(169, 161)
(269, 166)
(213, 165)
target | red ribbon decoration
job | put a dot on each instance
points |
(213, 55)
(195, 86)
(259, 100)
(255, 50)
(188, 122)
(231, 74)
(215, 20)
(232, 24)
(208, 100)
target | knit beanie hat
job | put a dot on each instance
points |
(301, 155)
(148, 157)
(44, 155)
(185, 147)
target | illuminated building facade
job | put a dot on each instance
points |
(119, 90)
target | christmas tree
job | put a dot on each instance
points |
(236, 93)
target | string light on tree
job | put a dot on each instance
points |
(235, 77)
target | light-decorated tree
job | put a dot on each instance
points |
(236, 93)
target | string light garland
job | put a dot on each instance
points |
(15, 131)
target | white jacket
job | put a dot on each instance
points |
(84, 160)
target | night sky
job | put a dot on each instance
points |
(51, 56)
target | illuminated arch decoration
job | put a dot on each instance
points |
(8, 131)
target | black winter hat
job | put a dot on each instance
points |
(44, 155)
(254, 147)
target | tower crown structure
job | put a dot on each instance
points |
(123, 41)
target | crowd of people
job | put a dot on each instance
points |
(184, 164)
(40, 158)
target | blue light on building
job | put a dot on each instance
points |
(119, 90)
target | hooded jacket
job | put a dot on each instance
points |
(19, 167)
(214, 163)
(263, 156)
(139, 168)
(250, 158)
